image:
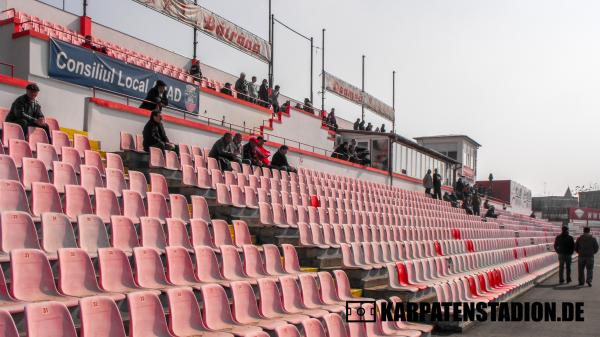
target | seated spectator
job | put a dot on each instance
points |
(156, 99)
(275, 99)
(90, 45)
(253, 95)
(467, 206)
(382, 129)
(285, 105)
(195, 70)
(361, 125)
(308, 106)
(279, 160)
(377, 129)
(369, 127)
(331, 120)
(341, 152)
(241, 87)
(263, 153)
(263, 94)
(154, 134)
(486, 204)
(250, 153)
(357, 124)
(491, 212)
(26, 111)
(227, 89)
(220, 151)
(235, 147)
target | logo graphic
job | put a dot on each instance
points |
(356, 311)
(579, 212)
(191, 97)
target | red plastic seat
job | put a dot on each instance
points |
(157, 158)
(273, 264)
(92, 233)
(37, 135)
(19, 149)
(115, 181)
(149, 272)
(313, 328)
(159, 184)
(147, 315)
(81, 143)
(71, 156)
(200, 208)
(177, 234)
(45, 198)
(221, 233)
(60, 140)
(124, 235)
(232, 267)
(47, 154)
(180, 270)
(17, 231)
(127, 142)
(8, 169)
(312, 297)
(32, 279)
(217, 315)
(207, 266)
(77, 201)
(253, 262)
(157, 206)
(291, 263)
(152, 233)
(138, 183)
(172, 161)
(57, 232)
(107, 204)
(11, 131)
(292, 299)
(92, 158)
(270, 305)
(133, 206)
(115, 274)
(13, 197)
(114, 161)
(7, 325)
(90, 178)
(179, 207)
(64, 174)
(49, 319)
(245, 308)
(201, 234)
(241, 233)
(100, 317)
(33, 170)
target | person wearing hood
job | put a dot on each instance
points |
(428, 182)
(564, 246)
(156, 99)
(154, 133)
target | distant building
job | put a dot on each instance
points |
(458, 147)
(589, 199)
(555, 208)
(510, 192)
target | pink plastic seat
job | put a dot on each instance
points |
(127, 142)
(60, 140)
(200, 208)
(217, 315)
(147, 315)
(7, 325)
(8, 169)
(149, 270)
(138, 183)
(157, 158)
(71, 156)
(64, 174)
(180, 270)
(76, 275)
(45, 199)
(139, 143)
(57, 232)
(201, 235)
(124, 235)
(107, 204)
(335, 326)
(241, 233)
(11, 131)
(313, 328)
(81, 143)
(52, 124)
(114, 161)
(100, 317)
(270, 305)
(17, 231)
(77, 201)
(232, 267)
(47, 154)
(19, 149)
(292, 299)
(253, 262)
(90, 178)
(172, 161)
(133, 206)
(221, 233)
(273, 264)
(115, 273)
(245, 308)
(312, 296)
(152, 234)
(207, 266)
(329, 293)
(344, 289)
(177, 234)
(157, 206)
(7, 302)
(49, 319)
(92, 233)
(188, 175)
(159, 184)
(92, 158)
(33, 170)
(115, 181)
(37, 135)
(32, 279)
(291, 263)
(179, 207)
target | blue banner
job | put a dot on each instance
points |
(85, 67)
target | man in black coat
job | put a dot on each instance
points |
(437, 185)
(156, 98)
(26, 111)
(154, 133)
(564, 245)
(279, 160)
(220, 151)
(263, 94)
(241, 87)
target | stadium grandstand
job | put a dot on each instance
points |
(99, 237)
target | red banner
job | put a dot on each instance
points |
(584, 214)
(213, 25)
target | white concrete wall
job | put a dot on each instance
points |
(217, 107)
(8, 94)
(310, 133)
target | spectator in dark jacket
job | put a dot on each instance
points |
(195, 70)
(250, 153)
(428, 182)
(369, 127)
(90, 45)
(356, 125)
(275, 99)
(437, 185)
(586, 247)
(227, 89)
(361, 125)
(341, 152)
(476, 202)
(241, 87)
(154, 133)
(564, 245)
(156, 98)
(308, 107)
(382, 129)
(331, 121)
(279, 160)
(220, 151)
(26, 111)
(263, 93)
(235, 147)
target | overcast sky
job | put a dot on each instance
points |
(521, 77)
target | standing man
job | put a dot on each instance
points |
(428, 182)
(263, 93)
(564, 245)
(586, 247)
(26, 112)
(275, 99)
(156, 98)
(241, 87)
(476, 203)
(437, 185)
(252, 90)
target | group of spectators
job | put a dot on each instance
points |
(254, 93)
(352, 153)
(359, 125)
(329, 119)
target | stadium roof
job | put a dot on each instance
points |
(449, 136)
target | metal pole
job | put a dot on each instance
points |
(85, 4)
(311, 69)
(362, 106)
(323, 71)
(394, 100)
(195, 35)
(271, 44)
(272, 76)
